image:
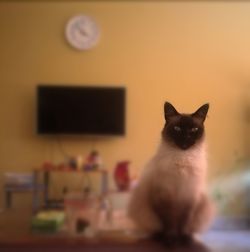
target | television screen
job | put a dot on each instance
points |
(81, 110)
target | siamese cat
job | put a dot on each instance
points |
(170, 201)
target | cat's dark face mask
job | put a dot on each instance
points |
(183, 130)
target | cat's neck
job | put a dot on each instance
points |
(191, 161)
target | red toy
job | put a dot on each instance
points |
(121, 175)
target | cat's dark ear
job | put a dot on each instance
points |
(201, 113)
(169, 111)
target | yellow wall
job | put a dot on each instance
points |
(187, 53)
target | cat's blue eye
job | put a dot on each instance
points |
(195, 129)
(177, 128)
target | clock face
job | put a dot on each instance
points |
(82, 32)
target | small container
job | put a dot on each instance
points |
(82, 213)
(113, 215)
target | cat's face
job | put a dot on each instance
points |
(184, 130)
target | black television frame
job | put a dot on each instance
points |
(120, 90)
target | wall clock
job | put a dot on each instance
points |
(82, 32)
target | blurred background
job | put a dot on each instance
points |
(185, 52)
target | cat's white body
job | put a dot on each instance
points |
(177, 179)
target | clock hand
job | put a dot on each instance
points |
(82, 31)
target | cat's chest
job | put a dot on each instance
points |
(179, 171)
(186, 163)
(176, 172)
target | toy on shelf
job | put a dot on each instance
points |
(121, 175)
(93, 161)
(72, 162)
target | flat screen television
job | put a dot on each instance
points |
(81, 110)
